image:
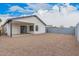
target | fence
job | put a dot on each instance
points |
(59, 30)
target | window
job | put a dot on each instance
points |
(31, 28)
(36, 27)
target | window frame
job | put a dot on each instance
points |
(31, 28)
(37, 28)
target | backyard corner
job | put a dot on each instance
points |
(39, 45)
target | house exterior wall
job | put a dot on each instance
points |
(16, 27)
(41, 26)
(7, 29)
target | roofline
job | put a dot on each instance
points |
(9, 20)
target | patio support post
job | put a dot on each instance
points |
(27, 28)
(11, 29)
(33, 28)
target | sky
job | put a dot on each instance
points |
(68, 16)
(18, 9)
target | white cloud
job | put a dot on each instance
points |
(16, 8)
(55, 7)
(56, 18)
(4, 17)
(71, 8)
(38, 6)
(19, 9)
(63, 9)
(42, 11)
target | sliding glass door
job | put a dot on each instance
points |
(23, 29)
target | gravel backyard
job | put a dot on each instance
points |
(39, 45)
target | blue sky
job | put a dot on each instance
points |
(17, 9)
(4, 8)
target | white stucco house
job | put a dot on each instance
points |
(36, 24)
(24, 25)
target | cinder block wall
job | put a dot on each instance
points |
(77, 31)
(58, 30)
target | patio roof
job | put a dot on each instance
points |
(11, 19)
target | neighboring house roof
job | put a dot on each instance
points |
(8, 20)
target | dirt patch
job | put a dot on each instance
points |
(39, 45)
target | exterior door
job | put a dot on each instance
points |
(23, 29)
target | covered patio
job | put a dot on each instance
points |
(19, 27)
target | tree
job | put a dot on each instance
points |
(0, 20)
(61, 26)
